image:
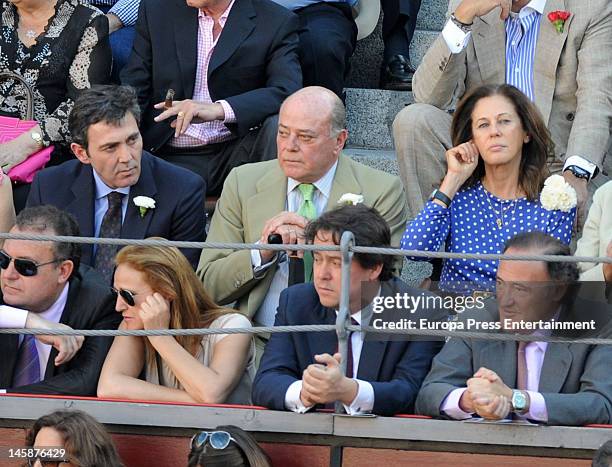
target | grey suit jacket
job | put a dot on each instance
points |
(572, 73)
(575, 379)
(253, 194)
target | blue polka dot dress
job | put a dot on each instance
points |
(470, 225)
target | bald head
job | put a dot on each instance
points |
(311, 133)
(322, 102)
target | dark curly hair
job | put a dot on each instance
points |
(368, 227)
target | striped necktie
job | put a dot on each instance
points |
(27, 367)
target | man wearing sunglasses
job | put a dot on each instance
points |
(44, 278)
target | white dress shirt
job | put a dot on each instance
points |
(14, 318)
(267, 311)
(53, 314)
(364, 400)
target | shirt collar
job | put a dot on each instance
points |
(324, 184)
(533, 5)
(364, 315)
(546, 332)
(102, 189)
(54, 312)
(222, 18)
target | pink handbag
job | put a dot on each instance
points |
(11, 128)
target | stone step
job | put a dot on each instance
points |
(432, 15)
(370, 114)
(413, 272)
(367, 59)
(381, 159)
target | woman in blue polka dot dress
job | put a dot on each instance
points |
(491, 189)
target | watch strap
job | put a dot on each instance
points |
(465, 27)
(579, 172)
(437, 194)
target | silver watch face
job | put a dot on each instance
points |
(519, 401)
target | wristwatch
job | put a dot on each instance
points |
(465, 27)
(520, 401)
(437, 194)
(38, 139)
(579, 172)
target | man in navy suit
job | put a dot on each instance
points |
(100, 188)
(230, 64)
(301, 370)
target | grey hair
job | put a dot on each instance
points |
(338, 117)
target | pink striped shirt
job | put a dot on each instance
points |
(215, 131)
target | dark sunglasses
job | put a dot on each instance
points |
(45, 462)
(25, 267)
(126, 295)
(217, 439)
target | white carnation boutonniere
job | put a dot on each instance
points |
(350, 198)
(144, 203)
(557, 194)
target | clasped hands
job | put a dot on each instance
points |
(290, 226)
(486, 395)
(324, 383)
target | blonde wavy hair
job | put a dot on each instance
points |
(167, 271)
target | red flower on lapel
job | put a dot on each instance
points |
(558, 19)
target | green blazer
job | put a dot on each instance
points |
(254, 193)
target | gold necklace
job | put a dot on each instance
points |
(499, 217)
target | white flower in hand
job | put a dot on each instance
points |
(351, 198)
(144, 203)
(557, 194)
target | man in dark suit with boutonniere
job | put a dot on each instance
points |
(115, 189)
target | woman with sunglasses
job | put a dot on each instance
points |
(77, 440)
(158, 289)
(226, 446)
(7, 211)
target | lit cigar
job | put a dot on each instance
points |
(169, 98)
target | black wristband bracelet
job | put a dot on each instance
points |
(437, 194)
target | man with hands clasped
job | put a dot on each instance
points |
(554, 383)
(299, 371)
(562, 68)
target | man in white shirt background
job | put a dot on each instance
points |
(564, 69)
